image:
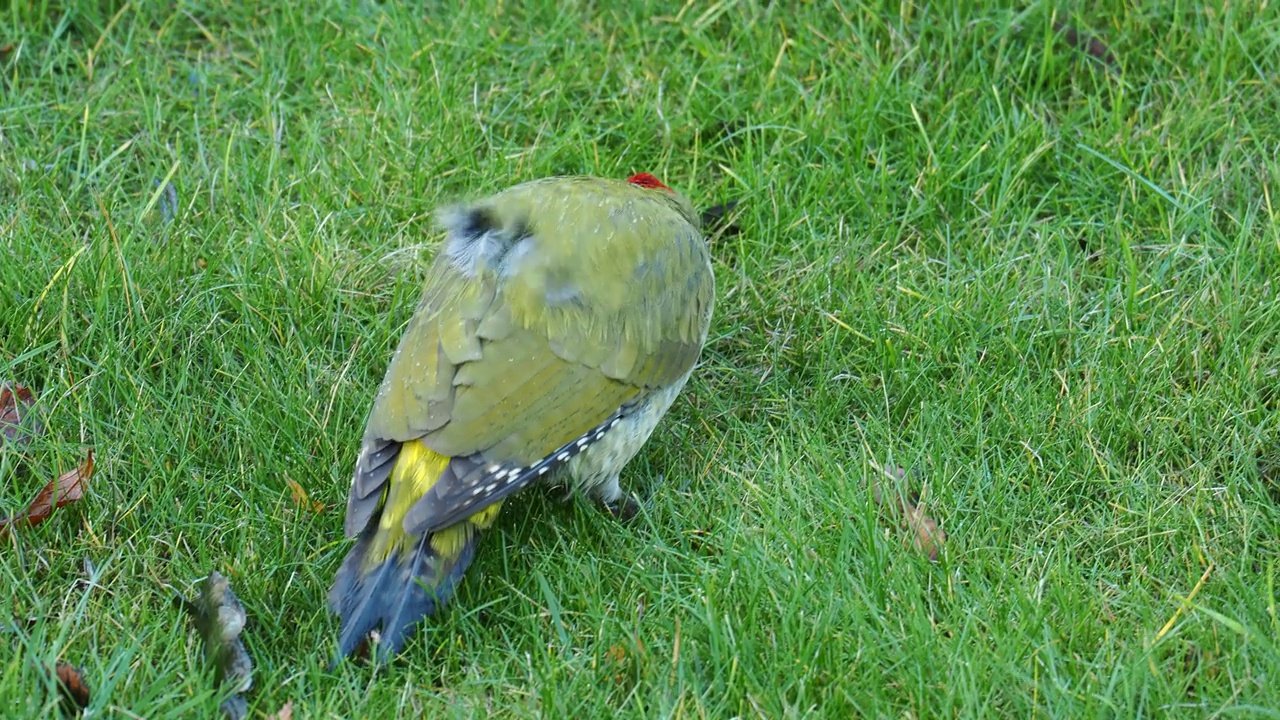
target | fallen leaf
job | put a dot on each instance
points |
(168, 201)
(927, 537)
(235, 707)
(1089, 44)
(18, 422)
(286, 712)
(300, 498)
(219, 618)
(19, 624)
(71, 682)
(617, 664)
(63, 490)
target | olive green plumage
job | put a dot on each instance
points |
(559, 321)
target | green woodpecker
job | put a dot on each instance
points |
(559, 321)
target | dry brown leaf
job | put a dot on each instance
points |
(63, 490)
(71, 682)
(617, 663)
(18, 423)
(927, 537)
(220, 618)
(286, 712)
(1089, 44)
(300, 498)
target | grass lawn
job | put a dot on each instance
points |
(1039, 272)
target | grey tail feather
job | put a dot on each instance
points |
(397, 594)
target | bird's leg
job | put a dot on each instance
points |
(609, 495)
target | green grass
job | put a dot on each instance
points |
(1047, 287)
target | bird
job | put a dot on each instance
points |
(560, 319)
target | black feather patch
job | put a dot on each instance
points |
(478, 484)
(476, 222)
(477, 238)
(718, 218)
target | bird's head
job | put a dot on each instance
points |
(645, 180)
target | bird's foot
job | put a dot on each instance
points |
(624, 510)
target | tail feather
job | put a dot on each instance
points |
(401, 591)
